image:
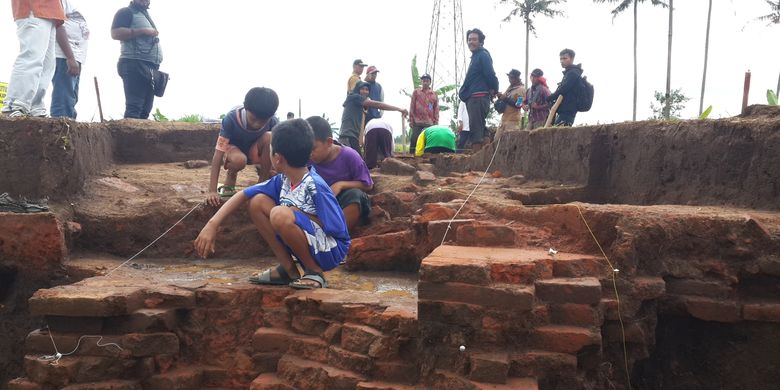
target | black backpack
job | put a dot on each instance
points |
(585, 97)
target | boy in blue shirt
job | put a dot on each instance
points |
(244, 139)
(295, 212)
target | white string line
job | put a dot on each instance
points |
(498, 143)
(55, 359)
(156, 239)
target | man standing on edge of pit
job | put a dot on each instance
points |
(140, 54)
(479, 87)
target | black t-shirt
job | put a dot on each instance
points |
(123, 18)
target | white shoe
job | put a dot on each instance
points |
(15, 114)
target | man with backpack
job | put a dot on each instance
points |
(139, 57)
(570, 88)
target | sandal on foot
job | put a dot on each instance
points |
(315, 276)
(226, 191)
(266, 277)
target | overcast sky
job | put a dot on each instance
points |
(216, 51)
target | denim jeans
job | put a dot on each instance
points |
(65, 91)
(34, 66)
(137, 79)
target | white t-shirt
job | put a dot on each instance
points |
(379, 123)
(77, 30)
(463, 116)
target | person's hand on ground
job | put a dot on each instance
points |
(213, 199)
(205, 243)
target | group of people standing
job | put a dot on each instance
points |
(53, 38)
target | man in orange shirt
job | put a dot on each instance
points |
(36, 23)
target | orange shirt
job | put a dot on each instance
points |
(44, 9)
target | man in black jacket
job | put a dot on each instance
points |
(479, 87)
(570, 89)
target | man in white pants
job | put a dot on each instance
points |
(36, 21)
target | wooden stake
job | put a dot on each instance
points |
(403, 134)
(553, 111)
(100, 105)
(745, 92)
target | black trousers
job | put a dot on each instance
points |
(137, 79)
(379, 145)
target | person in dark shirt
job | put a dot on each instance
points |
(569, 88)
(351, 132)
(479, 87)
(140, 55)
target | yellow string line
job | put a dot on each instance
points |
(617, 296)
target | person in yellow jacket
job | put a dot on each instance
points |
(435, 139)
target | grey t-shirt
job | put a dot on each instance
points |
(143, 48)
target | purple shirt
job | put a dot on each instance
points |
(347, 166)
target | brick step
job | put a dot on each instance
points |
(132, 344)
(538, 364)
(485, 266)
(179, 379)
(269, 381)
(574, 314)
(492, 295)
(80, 369)
(444, 380)
(564, 338)
(107, 385)
(585, 290)
(307, 374)
(100, 298)
(385, 386)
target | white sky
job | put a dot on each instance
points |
(216, 51)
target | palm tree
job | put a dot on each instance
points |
(706, 53)
(774, 17)
(622, 6)
(667, 107)
(527, 10)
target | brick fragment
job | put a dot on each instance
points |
(358, 338)
(272, 340)
(485, 235)
(151, 344)
(697, 287)
(489, 367)
(713, 310)
(269, 381)
(767, 312)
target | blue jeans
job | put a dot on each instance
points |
(137, 79)
(65, 91)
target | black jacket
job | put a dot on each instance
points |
(569, 88)
(480, 77)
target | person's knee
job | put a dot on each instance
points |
(235, 161)
(281, 217)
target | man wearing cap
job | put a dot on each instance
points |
(513, 97)
(536, 100)
(375, 93)
(479, 87)
(423, 111)
(357, 71)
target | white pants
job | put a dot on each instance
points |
(34, 67)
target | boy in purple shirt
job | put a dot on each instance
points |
(344, 170)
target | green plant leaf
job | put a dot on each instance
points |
(415, 74)
(771, 97)
(706, 113)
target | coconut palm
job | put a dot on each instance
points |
(706, 53)
(528, 10)
(622, 6)
(774, 17)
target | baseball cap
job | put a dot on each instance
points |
(359, 62)
(514, 73)
(537, 72)
(372, 69)
(425, 76)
